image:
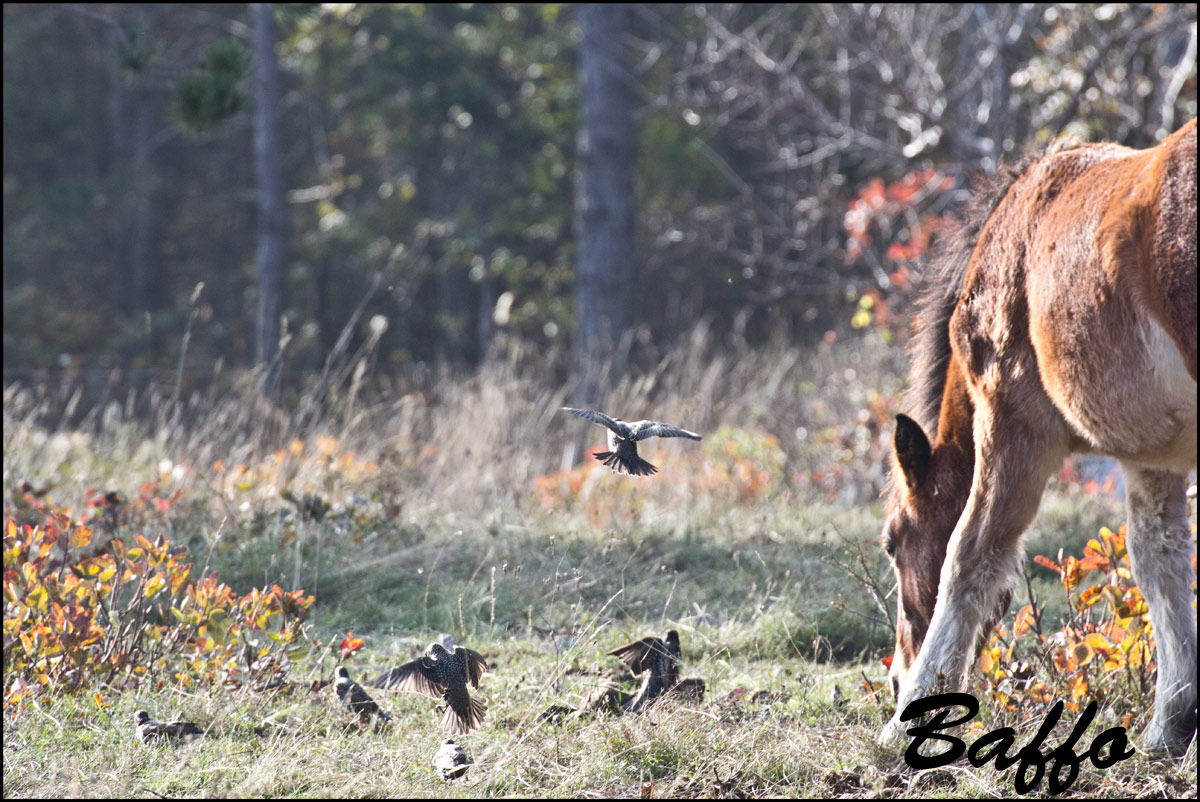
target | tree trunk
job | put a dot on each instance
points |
(272, 202)
(604, 286)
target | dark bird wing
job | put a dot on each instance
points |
(650, 428)
(474, 666)
(417, 676)
(620, 427)
(640, 655)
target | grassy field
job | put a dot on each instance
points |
(448, 512)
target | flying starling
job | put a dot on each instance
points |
(622, 440)
(150, 730)
(356, 700)
(443, 675)
(659, 660)
(451, 760)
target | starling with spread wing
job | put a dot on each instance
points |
(443, 675)
(623, 437)
(659, 660)
(150, 730)
(356, 700)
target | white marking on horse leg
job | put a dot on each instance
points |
(967, 596)
(982, 558)
(1161, 549)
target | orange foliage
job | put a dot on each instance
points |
(116, 613)
(1111, 638)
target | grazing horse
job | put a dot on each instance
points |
(1060, 319)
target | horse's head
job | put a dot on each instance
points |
(930, 486)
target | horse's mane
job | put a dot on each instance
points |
(929, 347)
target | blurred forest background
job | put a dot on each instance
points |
(443, 185)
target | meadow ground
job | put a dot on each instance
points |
(440, 508)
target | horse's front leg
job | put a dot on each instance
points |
(982, 557)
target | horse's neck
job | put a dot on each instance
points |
(955, 440)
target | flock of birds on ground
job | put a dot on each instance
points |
(446, 670)
(449, 675)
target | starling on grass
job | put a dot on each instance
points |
(356, 700)
(443, 675)
(452, 760)
(659, 660)
(622, 440)
(150, 730)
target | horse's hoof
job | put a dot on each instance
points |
(892, 734)
(1157, 742)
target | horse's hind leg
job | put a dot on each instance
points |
(1160, 545)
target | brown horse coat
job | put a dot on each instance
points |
(1061, 320)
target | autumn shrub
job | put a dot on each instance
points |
(83, 609)
(1103, 652)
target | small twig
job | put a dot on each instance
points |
(864, 576)
(1037, 614)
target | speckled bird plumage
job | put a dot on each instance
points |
(623, 438)
(444, 675)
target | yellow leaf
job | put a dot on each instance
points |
(1024, 621)
(1139, 653)
(80, 537)
(154, 585)
(217, 626)
(1091, 596)
(37, 598)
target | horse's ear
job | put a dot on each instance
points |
(912, 451)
